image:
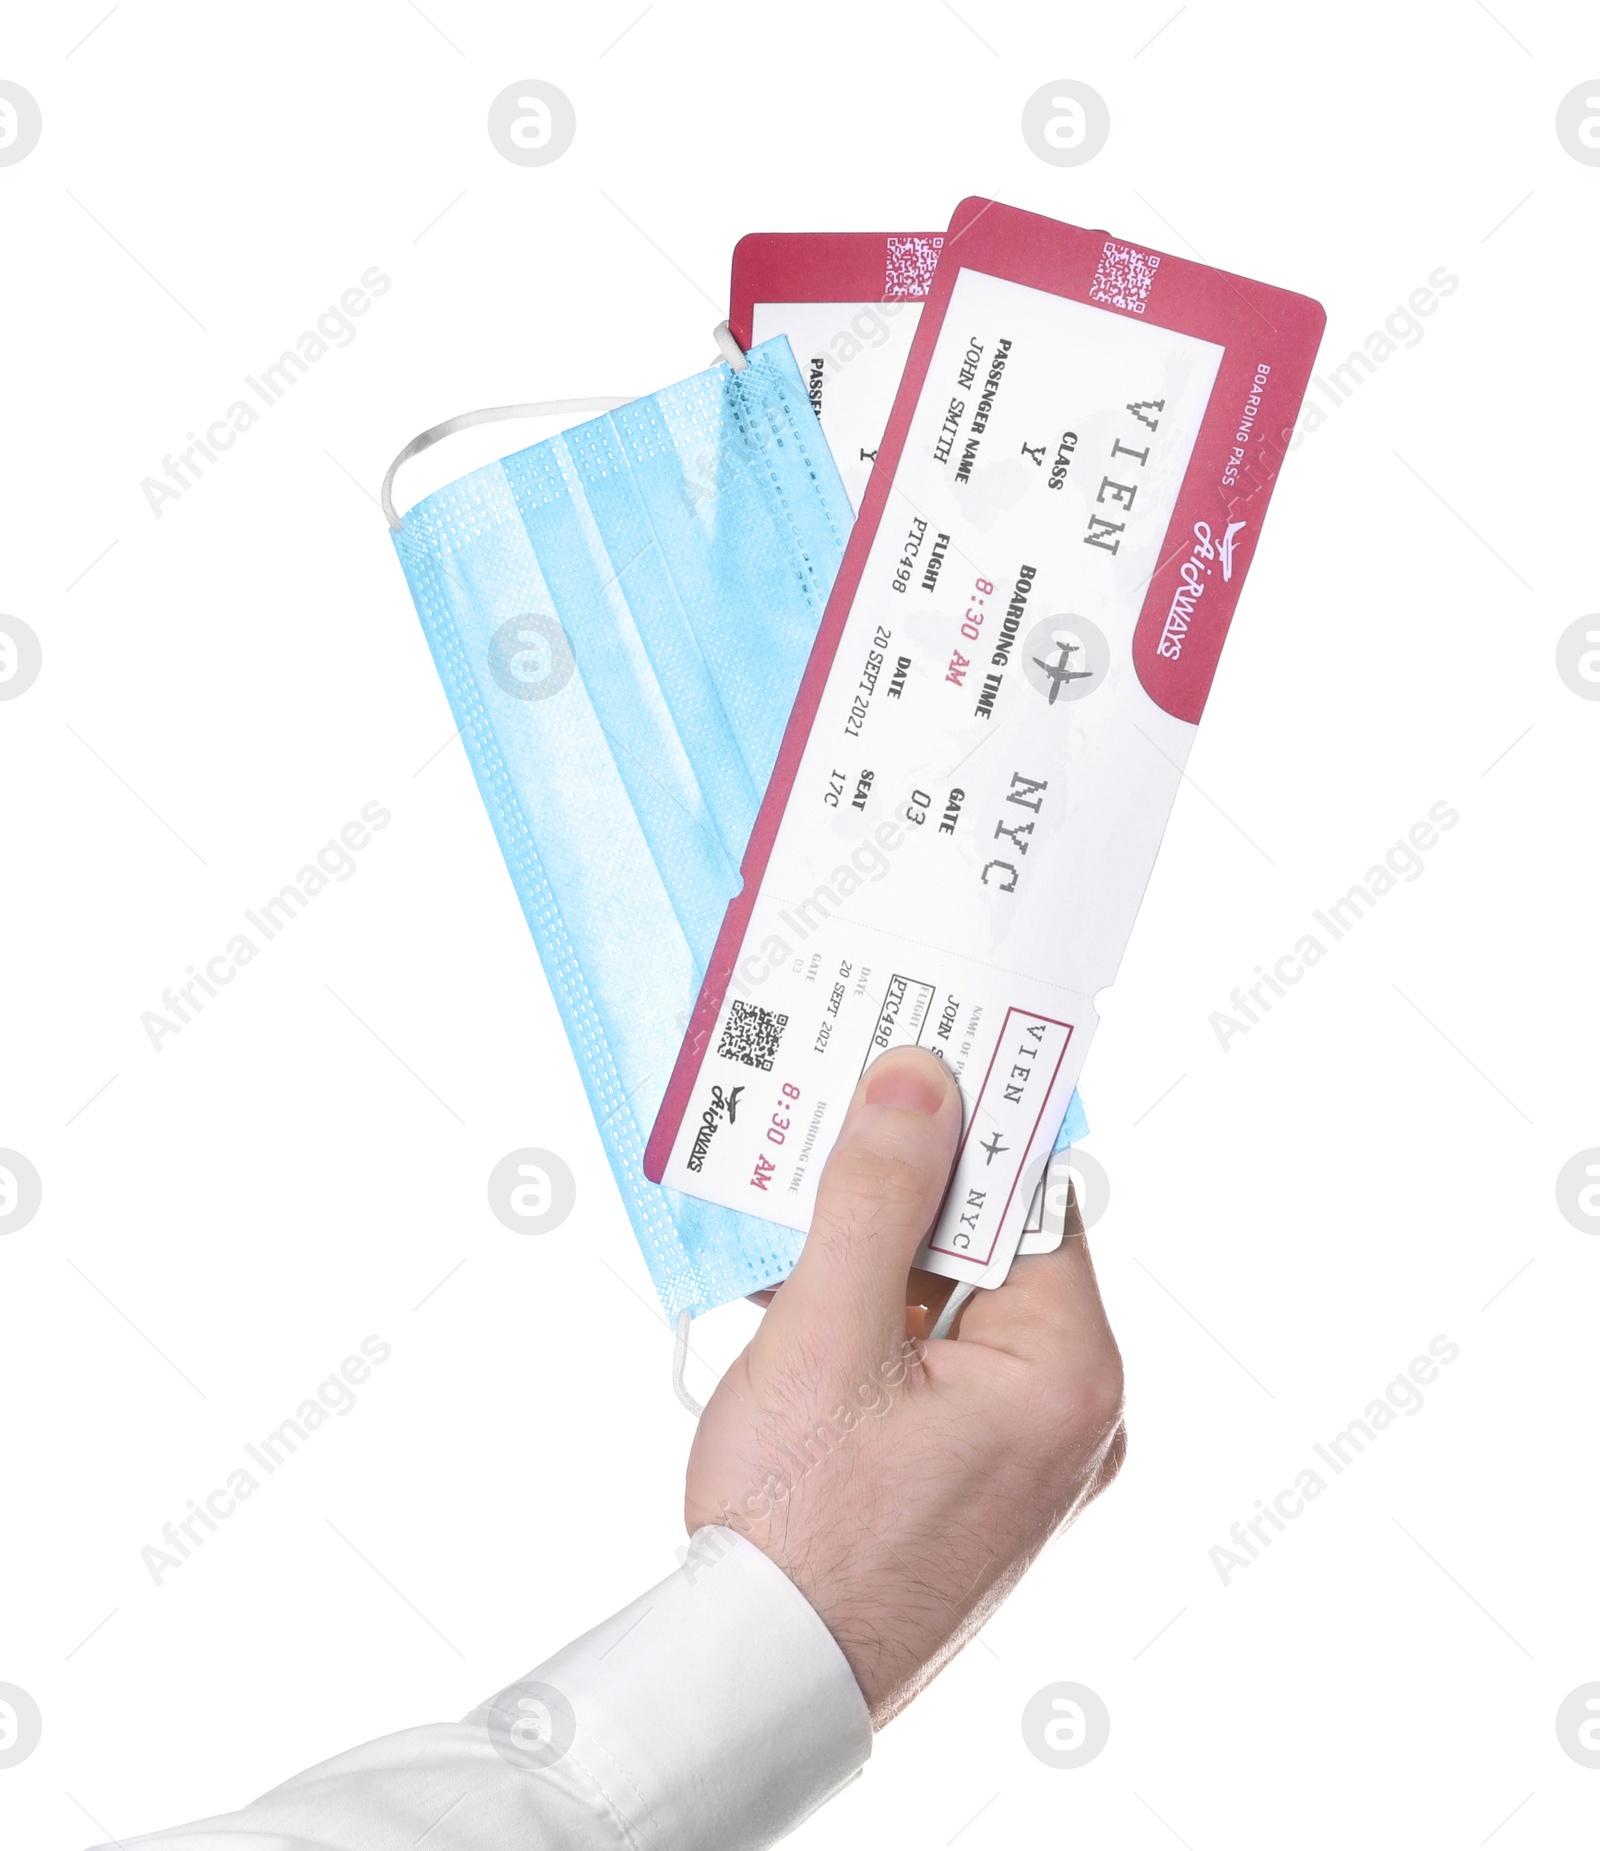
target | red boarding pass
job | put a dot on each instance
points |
(991, 729)
(849, 302)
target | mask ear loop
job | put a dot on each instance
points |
(952, 1310)
(680, 1360)
(727, 347)
(966, 1290)
(548, 408)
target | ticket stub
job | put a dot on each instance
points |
(849, 302)
(994, 720)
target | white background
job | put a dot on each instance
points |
(306, 1163)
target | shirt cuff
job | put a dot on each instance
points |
(716, 1712)
(713, 1714)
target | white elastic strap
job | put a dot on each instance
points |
(680, 1361)
(952, 1309)
(722, 334)
(548, 408)
(728, 347)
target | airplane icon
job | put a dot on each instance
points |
(993, 1148)
(1060, 673)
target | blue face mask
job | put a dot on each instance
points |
(620, 617)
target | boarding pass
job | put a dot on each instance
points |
(849, 303)
(993, 723)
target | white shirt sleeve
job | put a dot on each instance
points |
(713, 1714)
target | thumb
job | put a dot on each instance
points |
(880, 1190)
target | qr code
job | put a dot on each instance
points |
(1123, 277)
(909, 264)
(751, 1035)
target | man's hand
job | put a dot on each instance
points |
(903, 1485)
